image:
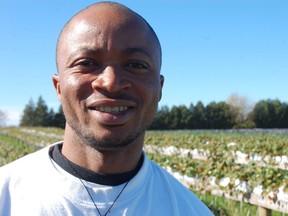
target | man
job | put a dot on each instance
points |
(109, 84)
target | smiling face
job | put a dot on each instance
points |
(109, 79)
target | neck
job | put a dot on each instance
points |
(114, 161)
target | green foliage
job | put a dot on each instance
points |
(270, 114)
(40, 115)
(17, 142)
(213, 116)
(198, 116)
(227, 207)
(28, 114)
(218, 116)
(12, 148)
(59, 119)
(221, 158)
(263, 143)
(221, 115)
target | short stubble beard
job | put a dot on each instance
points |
(90, 140)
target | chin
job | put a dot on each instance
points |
(109, 138)
(111, 143)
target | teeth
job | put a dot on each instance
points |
(112, 109)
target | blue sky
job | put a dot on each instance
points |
(211, 49)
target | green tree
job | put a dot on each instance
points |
(162, 119)
(59, 118)
(175, 116)
(28, 115)
(180, 117)
(37, 115)
(198, 120)
(275, 108)
(260, 114)
(219, 116)
(269, 114)
(283, 116)
(41, 117)
(186, 117)
(50, 119)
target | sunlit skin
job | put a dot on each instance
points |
(109, 85)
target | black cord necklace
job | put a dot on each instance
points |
(90, 196)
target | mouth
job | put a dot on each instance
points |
(110, 109)
(112, 112)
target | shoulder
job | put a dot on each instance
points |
(30, 171)
(179, 196)
(169, 181)
(26, 165)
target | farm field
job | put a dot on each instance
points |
(230, 165)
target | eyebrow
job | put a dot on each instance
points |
(83, 49)
(137, 50)
(95, 51)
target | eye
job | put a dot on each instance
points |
(87, 63)
(137, 65)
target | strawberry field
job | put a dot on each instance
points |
(251, 167)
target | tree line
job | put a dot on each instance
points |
(221, 115)
(233, 113)
(39, 114)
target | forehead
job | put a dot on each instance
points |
(108, 27)
(104, 17)
(107, 30)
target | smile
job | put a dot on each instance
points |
(111, 115)
(109, 109)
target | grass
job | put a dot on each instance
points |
(226, 207)
(12, 149)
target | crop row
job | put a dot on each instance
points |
(221, 155)
(34, 136)
(280, 162)
(11, 149)
(257, 185)
(17, 142)
(247, 142)
(218, 167)
(225, 173)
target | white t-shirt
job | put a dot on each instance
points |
(36, 185)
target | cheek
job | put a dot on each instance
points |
(151, 105)
(76, 88)
(152, 91)
(73, 94)
(72, 81)
(150, 94)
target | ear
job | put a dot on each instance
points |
(161, 85)
(56, 82)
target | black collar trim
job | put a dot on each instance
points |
(88, 175)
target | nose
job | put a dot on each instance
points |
(111, 80)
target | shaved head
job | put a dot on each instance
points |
(103, 7)
(108, 58)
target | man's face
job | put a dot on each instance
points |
(109, 82)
